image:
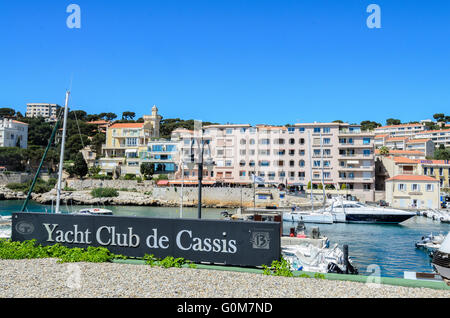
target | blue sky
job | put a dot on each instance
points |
(274, 62)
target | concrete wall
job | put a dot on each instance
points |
(13, 177)
(218, 196)
(116, 184)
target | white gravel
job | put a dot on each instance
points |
(45, 278)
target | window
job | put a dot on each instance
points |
(366, 141)
(367, 186)
(242, 163)
(251, 163)
(366, 152)
(291, 130)
(326, 141)
(317, 130)
(301, 152)
(241, 173)
(415, 187)
(281, 152)
(429, 187)
(279, 141)
(264, 141)
(326, 175)
(326, 163)
(228, 163)
(302, 141)
(243, 141)
(326, 130)
(291, 152)
(301, 174)
(264, 163)
(243, 130)
(292, 141)
(252, 141)
(301, 129)
(316, 152)
(302, 163)
(229, 131)
(242, 152)
(316, 163)
(401, 187)
(291, 163)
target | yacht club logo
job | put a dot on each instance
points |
(260, 240)
(25, 228)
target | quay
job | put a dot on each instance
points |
(129, 278)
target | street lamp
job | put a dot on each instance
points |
(209, 163)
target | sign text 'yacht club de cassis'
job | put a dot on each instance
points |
(215, 241)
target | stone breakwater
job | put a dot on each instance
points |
(147, 194)
(45, 278)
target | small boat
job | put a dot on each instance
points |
(430, 243)
(441, 259)
(94, 211)
(310, 258)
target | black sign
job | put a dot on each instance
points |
(242, 243)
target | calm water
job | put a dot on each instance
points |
(389, 246)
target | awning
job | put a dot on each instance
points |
(131, 151)
(191, 182)
(162, 182)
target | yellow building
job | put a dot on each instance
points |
(439, 169)
(124, 142)
(413, 192)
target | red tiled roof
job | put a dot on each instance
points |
(433, 131)
(397, 138)
(127, 125)
(401, 125)
(405, 160)
(381, 136)
(402, 152)
(414, 141)
(412, 178)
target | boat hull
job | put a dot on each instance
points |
(376, 218)
(441, 261)
(307, 218)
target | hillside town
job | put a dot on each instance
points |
(404, 165)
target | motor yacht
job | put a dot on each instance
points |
(345, 211)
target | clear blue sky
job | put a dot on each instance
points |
(237, 61)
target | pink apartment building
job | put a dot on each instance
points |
(338, 155)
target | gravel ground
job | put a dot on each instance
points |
(45, 278)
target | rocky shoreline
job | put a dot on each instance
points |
(125, 198)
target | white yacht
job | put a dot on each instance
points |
(344, 211)
(441, 259)
(319, 217)
(94, 211)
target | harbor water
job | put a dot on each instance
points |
(387, 248)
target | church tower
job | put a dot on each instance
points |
(154, 119)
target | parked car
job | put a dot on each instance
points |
(383, 203)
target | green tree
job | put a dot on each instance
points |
(369, 125)
(442, 153)
(128, 115)
(439, 117)
(147, 170)
(7, 112)
(384, 151)
(393, 122)
(79, 168)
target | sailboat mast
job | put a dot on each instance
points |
(61, 157)
(310, 169)
(322, 165)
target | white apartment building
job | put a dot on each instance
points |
(403, 130)
(13, 133)
(439, 137)
(48, 111)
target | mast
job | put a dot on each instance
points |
(310, 170)
(61, 157)
(323, 182)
